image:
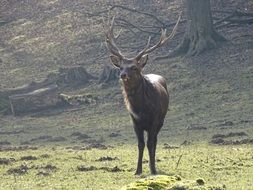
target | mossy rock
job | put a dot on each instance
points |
(163, 182)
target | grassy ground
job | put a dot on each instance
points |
(95, 147)
(199, 109)
(61, 168)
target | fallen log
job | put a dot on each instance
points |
(35, 100)
(71, 77)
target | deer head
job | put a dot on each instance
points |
(130, 68)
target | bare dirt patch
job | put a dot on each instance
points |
(45, 156)
(20, 170)
(18, 148)
(6, 161)
(43, 173)
(93, 168)
(113, 169)
(80, 136)
(86, 168)
(28, 158)
(49, 167)
(11, 132)
(4, 143)
(46, 170)
(168, 146)
(232, 134)
(49, 138)
(57, 139)
(96, 146)
(107, 158)
(115, 134)
(221, 139)
(42, 138)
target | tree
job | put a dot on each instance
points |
(142, 4)
(200, 34)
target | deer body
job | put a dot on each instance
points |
(147, 103)
(146, 96)
(149, 95)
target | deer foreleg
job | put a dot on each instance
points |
(151, 144)
(141, 145)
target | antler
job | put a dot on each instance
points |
(162, 40)
(112, 47)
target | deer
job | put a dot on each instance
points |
(146, 96)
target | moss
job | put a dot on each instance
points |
(156, 182)
(162, 182)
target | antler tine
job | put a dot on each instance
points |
(161, 41)
(111, 26)
(110, 40)
(172, 34)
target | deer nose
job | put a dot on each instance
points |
(123, 75)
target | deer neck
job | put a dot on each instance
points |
(134, 97)
(135, 88)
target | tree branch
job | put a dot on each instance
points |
(137, 11)
(230, 18)
(163, 25)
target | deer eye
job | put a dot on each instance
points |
(134, 68)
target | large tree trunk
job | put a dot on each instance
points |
(200, 34)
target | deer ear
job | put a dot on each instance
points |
(143, 60)
(115, 60)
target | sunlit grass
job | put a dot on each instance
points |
(201, 95)
(230, 166)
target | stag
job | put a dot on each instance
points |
(146, 96)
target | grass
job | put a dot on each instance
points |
(209, 95)
(207, 104)
(230, 166)
(223, 165)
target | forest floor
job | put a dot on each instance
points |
(208, 131)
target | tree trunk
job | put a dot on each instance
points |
(200, 34)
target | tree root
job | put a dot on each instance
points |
(195, 45)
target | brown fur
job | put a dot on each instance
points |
(147, 103)
(146, 96)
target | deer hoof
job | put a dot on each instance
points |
(138, 173)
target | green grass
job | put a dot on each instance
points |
(210, 94)
(207, 104)
(230, 166)
(195, 102)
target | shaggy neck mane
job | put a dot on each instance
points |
(134, 89)
(137, 97)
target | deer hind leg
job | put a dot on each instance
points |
(151, 144)
(141, 145)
